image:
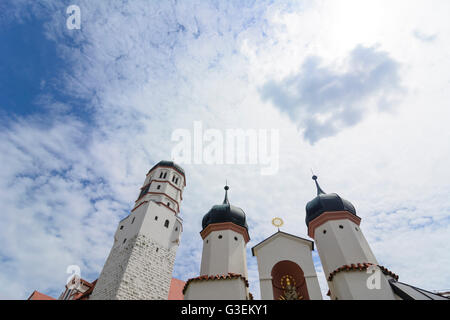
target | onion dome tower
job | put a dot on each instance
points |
(225, 235)
(224, 263)
(225, 212)
(350, 267)
(327, 202)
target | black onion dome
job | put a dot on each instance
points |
(171, 164)
(225, 212)
(326, 202)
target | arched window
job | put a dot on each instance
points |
(166, 224)
(288, 281)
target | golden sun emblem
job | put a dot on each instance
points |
(277, 222)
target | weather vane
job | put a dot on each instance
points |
(277, 222)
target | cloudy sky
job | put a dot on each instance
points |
(357, 90)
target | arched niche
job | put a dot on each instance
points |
(288, 281)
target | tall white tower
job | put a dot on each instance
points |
(223, 272)
(141, 260)
(350, 267)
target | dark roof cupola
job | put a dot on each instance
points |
(225, 212)
(326, 202)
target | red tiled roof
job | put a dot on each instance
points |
(176, 289)
(360, 267)
(36, 295)
(230, 275)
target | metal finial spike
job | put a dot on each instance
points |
(319, 189)
(225, 201)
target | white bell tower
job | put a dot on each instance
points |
(141, 260)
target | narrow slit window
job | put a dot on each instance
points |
(166, 224)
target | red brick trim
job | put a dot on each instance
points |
(361, 267)
(328, 216)
(184, 177)
(230, 275)
(163, 181)
(165, 205)
(158, 202)
(164, 194)
(225, 226)
(140, 204)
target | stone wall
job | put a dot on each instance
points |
(139, 269)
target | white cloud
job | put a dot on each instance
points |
(147, 68)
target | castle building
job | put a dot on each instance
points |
(140, 263)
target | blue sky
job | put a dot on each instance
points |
(357, 89)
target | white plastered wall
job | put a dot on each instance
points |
(284, 247)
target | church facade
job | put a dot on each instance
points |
(140, 263)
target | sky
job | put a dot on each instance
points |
(357, 91)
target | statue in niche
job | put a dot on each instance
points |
(289, 289)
